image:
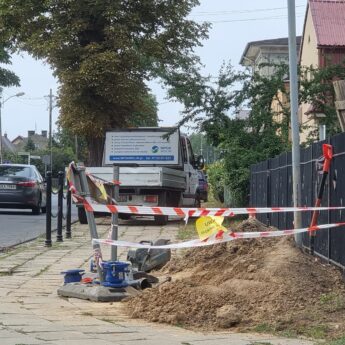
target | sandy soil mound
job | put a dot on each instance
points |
(262, 284)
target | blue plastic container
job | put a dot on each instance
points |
(115, 273)
(72, 276)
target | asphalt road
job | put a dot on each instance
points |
(18, 226)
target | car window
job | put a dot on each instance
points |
(38, 175)
(15, 171)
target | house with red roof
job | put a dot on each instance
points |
(323, 43)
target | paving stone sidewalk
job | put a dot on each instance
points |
(31, 312)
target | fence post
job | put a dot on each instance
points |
(48, 241)
(59, 237)
(268, 191)
(68, 214)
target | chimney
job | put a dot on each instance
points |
(44, 134)
(31, 133)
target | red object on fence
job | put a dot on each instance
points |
(328, 155)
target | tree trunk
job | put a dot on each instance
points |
(95, 146)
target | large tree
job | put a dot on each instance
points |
(7, 77)
(102, 52)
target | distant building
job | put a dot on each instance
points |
(40, 141)
(323, 43)
(274, 51)
(7, 145)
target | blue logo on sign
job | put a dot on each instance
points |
(155, 149)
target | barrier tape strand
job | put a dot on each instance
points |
(220, 237)
(90, 206)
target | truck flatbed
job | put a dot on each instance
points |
(148, 176)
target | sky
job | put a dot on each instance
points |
(234, 24)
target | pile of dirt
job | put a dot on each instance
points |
(262, 284)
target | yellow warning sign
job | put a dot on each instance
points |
(101, 188)
(208, 226)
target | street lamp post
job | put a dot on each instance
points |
(1, 106)
(50, 129)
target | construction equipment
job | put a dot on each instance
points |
(145, 260)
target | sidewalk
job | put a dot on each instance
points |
(31, 313)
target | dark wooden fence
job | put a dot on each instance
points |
(271, 185)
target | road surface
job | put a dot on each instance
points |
(18, 226)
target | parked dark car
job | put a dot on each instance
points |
(203, 186)
(22, 186)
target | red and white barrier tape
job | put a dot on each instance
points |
(220, 237)
(182, 212)
(97, 254)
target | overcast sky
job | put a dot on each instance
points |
(234, 24)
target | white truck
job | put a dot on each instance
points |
(157, 168)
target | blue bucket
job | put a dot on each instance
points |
(115, 273)
(72, 276)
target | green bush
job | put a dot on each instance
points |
(216, 174)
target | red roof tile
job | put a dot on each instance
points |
(329, 21)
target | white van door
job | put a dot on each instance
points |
(189, 196)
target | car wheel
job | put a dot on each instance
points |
(36, 210)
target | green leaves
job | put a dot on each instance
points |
(30, 145)
(316, 88)
(103, 53)
(214, 106)
(7, 77)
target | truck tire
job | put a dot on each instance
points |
(162, 201)
(161, 220)
(82, 215)
(197, 200)
(125, 216)
(174, 199)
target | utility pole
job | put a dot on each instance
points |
(50, 128)
(296, 176)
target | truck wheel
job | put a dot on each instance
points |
(162, 201)
(197, 201)
(174, 199)
(125, 216)
(82, 215)
(161, 220)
